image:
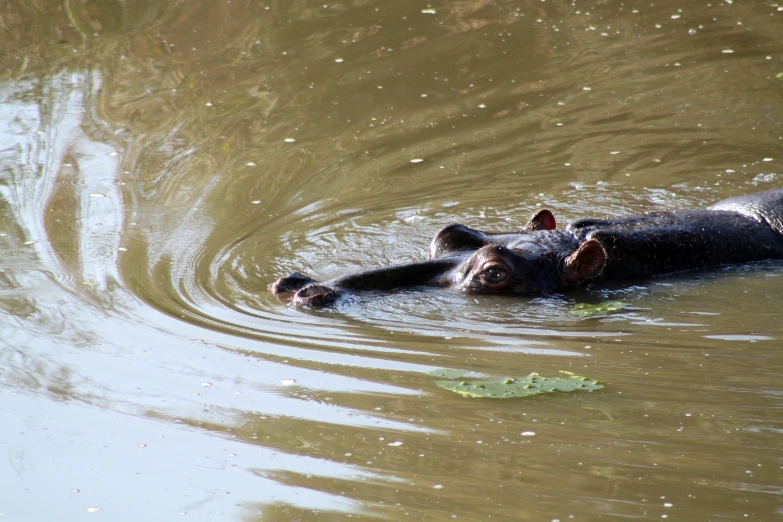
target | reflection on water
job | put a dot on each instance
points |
(162, 163)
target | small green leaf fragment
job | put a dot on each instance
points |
(520, 387)
(592, 310)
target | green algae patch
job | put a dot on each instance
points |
(592, 310)
(448, 373)
(510, 388)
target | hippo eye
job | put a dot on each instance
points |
(493, 274)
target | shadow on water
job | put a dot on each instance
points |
(161, 163)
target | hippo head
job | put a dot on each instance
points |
(535, 259)
(498, 269)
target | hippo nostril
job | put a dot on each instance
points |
(315, 295)
(291, 283)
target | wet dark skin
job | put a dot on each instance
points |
(542, 259)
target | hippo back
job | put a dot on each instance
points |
(765, 207)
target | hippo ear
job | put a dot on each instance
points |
(542, 220)
(586, 263)
(454, 238)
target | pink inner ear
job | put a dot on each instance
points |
(542, 220)
(551, 222)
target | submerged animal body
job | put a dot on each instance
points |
(541, 258)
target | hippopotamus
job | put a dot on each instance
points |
(540, 258)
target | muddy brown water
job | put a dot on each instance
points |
(162, 162)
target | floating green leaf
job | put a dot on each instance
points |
(448, 373)
(533, 384)
(591, 310)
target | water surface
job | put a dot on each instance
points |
(161, 163)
